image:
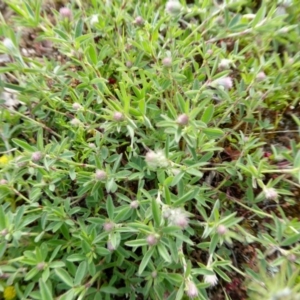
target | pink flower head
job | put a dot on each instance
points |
(191, 290)
(118, 116)
(151, 240)
(65, 13)
(221, 229)
(100, 175)
(270, 193)
(108, 226)
(167, 62)
(36, 156)
(182, 119)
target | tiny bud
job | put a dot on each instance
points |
(173, 7)
(100, 175)
(94, 19)
(210, 52)
(270, 193)
(118, 116)
(41, 266)
(167, 62)
(92, 145)
(4, 232)
(110, 246)
(65, 13)
(108, 226)
(151, 240)
(128, 64)
(182, 120)
(8, 43)
(139, 21)
(3, 182)
(191, 290)
(154, 274)
(134, 204)
(261, 76)
(292, 257)
(76, 106)
(36, 156)
(221, 229)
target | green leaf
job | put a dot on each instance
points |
(24, 145)
(45, 291)
(64, 276)
(156, 212)
(186, 197)
(162, 250)
(213, 132)
(2, 218)
(76, 257)
(2, 248)
(145, 260)
(136, 243)
(213, 244)
(110, 207)
(108, 290)
(208, 114)
(81, 272)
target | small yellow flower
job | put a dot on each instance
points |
(9, 293)
(4, 159)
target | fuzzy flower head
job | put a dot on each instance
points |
(76, 106)
(270, 193)
(36, 156)
(94, 19)
(156, 159)
(212, 280)
(134, 204)
(221, 229)
(75, 122)
(177, 217)
(167, 62)
(191, 290)
(100, 175)
(139, 21)
(108, 226)
(9, 293)
(261, 76)
(182, 119)
(151, 240)
(225, 64)
(173, 7)
(118, 116)
(225, 82)
(65, 13)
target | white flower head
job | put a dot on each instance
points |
(177, 217)
(270, 193)
(212, 280)
(225, 63)
(225, 82)
(191, 289)
(94, 19)
(75, 122)
(173, 7)
(156, 159)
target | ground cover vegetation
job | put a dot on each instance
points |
(149, 149)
